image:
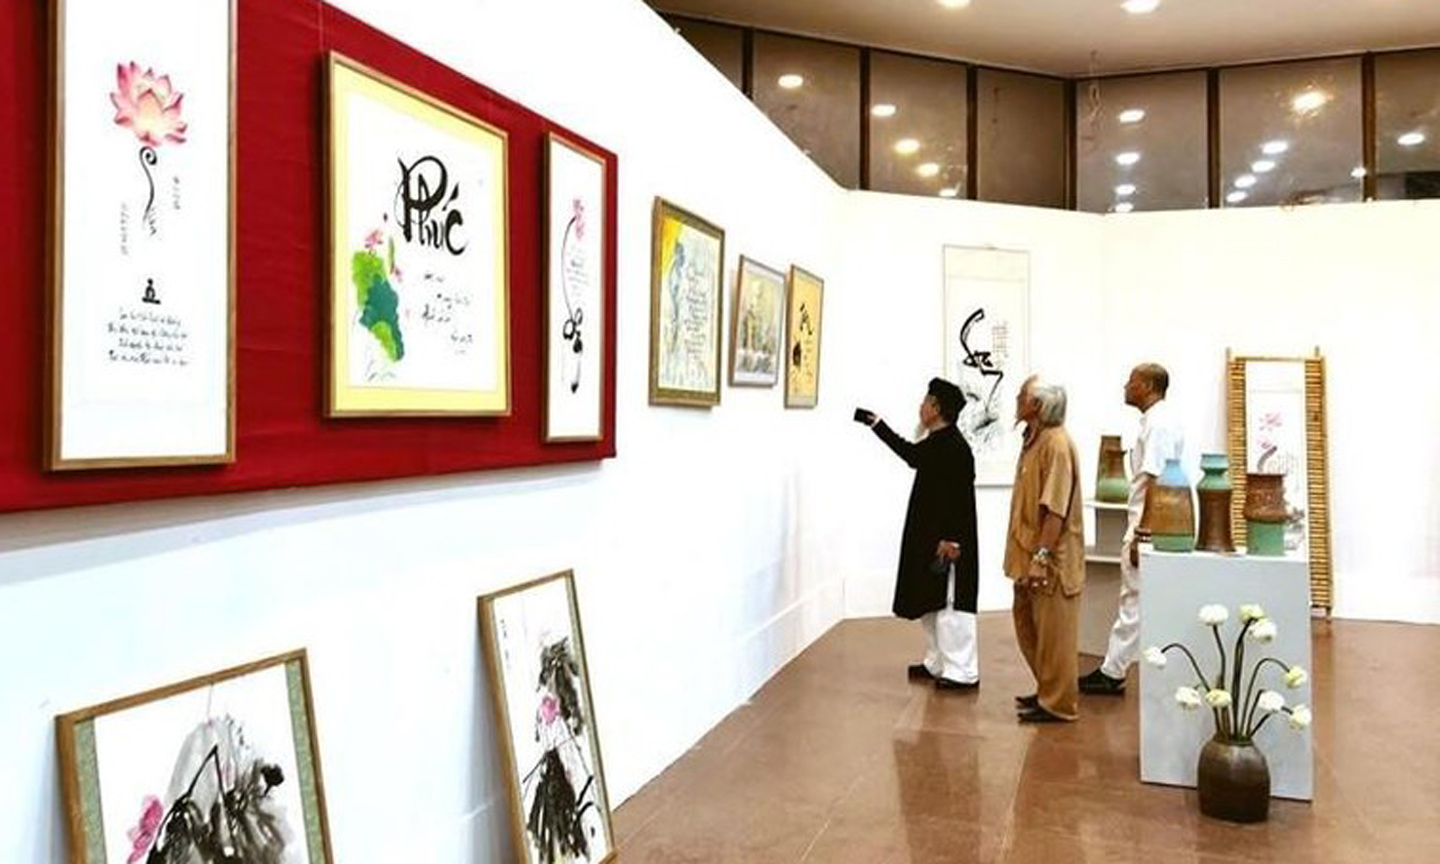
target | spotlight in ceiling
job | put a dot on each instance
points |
(1260, 166)
(1244, 181)
(1132, 115)
(1274, 148)
(1237, 196)
(1358, 172)
(882, 109)
(927, 169)
(1140, 7)
(953, 4)
(1411, 139)
(790, 81)
(948, 192)
(1128, 158)
(1309, 101)
(1125, 190)
(907, 146)
(1124, 207)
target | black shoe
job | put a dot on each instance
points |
(1097, 683)
(952, 684)
(1038, 715)
(918, 672)
(1024, 702)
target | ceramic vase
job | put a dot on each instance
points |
(1215, 495)
(1172, 510)
(1265, 514)
(1111, 486)
(1233, 780)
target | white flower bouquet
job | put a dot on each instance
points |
(1239, 713)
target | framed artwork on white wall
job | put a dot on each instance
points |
(756, 319)
(687, 268)
(803, 318)
(575, 274)
(419, 273)
(987, 351)
(142, 234)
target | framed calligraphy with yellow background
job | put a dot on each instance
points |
(802, 344)
(686, 269)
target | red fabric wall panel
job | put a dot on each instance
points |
(281, 296)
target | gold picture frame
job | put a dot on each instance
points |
(687, 264)
(409, 348)
(539, 684)
(757, 320)
(1299, 390)
(263, 738)
(129, 435)
(804, 308)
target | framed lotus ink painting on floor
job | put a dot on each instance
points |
(141, 231)
(221, 769)
(540, 685)
(419, 273)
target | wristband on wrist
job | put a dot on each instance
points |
(1041, 555)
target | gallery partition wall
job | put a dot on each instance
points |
(1304, 131)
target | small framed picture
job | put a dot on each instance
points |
(687, 263)
(802, 349)
(756, 318)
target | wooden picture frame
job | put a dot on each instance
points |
(419, 275)
(123, 763)
(544, 716)
(141, 272)
(576, 282)
(687, 268)
(804, 306)
(757, 320)
(1275, 410)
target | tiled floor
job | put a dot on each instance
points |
(840, 759)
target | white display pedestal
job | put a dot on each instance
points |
(1173, 588)
(1102, 577)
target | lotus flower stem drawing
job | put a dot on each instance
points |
(149, 106)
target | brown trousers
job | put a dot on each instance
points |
(1046, 628)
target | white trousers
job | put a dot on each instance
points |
(950, 645)
(1124, 644)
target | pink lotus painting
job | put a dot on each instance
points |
(149, 106)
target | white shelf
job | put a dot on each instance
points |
(1094, 557)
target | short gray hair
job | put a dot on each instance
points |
(1051, 398)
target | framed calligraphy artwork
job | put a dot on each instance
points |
(225, 767)
(987, 351)
(686, 270)
(540, 688)
(142, 270)
(756, 319)
(419, 279)
(804, 306)
(575, 269)
(1275, 413)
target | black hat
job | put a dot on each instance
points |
(948, 397)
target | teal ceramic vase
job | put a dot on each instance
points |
(1171, 510)
(1215, 495)
(1265, 514)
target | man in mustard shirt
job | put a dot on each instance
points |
(1045, 554)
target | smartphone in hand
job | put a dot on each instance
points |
(865, 415)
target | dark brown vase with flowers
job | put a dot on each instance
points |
(1233, 780)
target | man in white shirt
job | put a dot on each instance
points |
(1160, 439)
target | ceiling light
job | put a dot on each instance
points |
(954, 4)
(1140, 7)
(1124, 207)
(949, 192)
(1410, 139)
(1260, 166)
(1125, 190)
(1244, 181)
(927, 169)
(1309, 101)
(882, 109)
(907, 146)
(790, 80)
(1132, 115)
(1358, 172)
(1274, 148)
(1128, 158)
(1237, 196)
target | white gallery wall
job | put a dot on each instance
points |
(718, 543)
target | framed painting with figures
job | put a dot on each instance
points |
(686, 269)
(224, 767)
(419, 276)
(142, 235)
(756, 318)
(540, 688)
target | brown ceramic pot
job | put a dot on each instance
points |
(1233, 780)
(1214, 535)
(1110, 483)
(1265, 498)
